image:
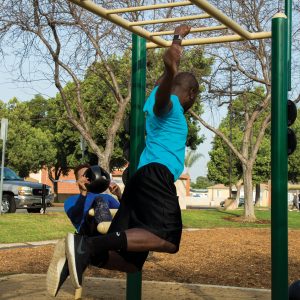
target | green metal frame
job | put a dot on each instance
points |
(279, 163)
(137, 134)
(288, 12)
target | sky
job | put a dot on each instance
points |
(10, 88)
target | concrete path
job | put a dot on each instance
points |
(33, 286)
(27, 244)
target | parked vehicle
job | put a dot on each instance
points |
(242, 201)
(18, 193)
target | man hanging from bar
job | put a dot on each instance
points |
(149, 217)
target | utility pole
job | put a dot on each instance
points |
(230, 132)
(4, 125)
(229, 93)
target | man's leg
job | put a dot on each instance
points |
(117, 263)
(80, 249)
(139, 239)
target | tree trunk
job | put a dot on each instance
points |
(249, 214)
(238, 192)
(57, 173)
(55, 190)
(235, 203)
(104, 161)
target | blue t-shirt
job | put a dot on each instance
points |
(166, 136)
(77, 206)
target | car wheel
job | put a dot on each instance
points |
(34, 210)
(8, 204)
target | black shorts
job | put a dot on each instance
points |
(150, 202)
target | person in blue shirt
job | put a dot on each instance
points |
(149, 216)
(77, 208)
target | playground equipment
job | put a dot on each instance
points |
(281, 83)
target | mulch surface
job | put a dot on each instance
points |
(230, 257)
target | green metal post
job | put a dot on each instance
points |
(137, 135)
(279, 168)
(288, 12)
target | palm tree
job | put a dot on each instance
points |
(190, 158)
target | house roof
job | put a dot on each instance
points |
(218, 186)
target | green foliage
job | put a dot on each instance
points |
(100, 105)
(39, 134)
(66, 137)
(262, 165)
(202, 182)
(39, 110)
(218, 166)
(29, 148)
(190, 159)
(49, 114)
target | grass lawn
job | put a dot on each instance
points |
(35, 227)
(220, 218)
(16, 228)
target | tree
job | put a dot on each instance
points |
(190, 158)
(218, 167)
(28, 148)
(202, 182)
(41, 29)
(251, 61)
(50, 115)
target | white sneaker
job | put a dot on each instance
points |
(58, 270)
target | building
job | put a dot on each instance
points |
(67, 184)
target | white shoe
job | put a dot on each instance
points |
(58, 270)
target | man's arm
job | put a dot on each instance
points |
(76, 209)
(171, 60)
(75, 212)
(115, 190)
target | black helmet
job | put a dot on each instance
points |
(99, 179)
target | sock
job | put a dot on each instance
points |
(100, 259)
(111, 241)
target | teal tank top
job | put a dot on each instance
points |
(165, 136)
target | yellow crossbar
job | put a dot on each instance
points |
(101, 12)
(156, 41)
(170, 20)
(193, 30)
(218, 15)
(217, 39)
